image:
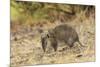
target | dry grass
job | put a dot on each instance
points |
(26, 45)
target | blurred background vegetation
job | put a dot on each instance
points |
(29, 13)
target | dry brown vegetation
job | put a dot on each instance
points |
(26, 32)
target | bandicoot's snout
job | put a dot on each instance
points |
(44, 38)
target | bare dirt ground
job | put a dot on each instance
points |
(26, 45)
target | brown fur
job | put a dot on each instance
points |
(62, 33)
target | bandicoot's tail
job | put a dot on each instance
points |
(81, 44)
